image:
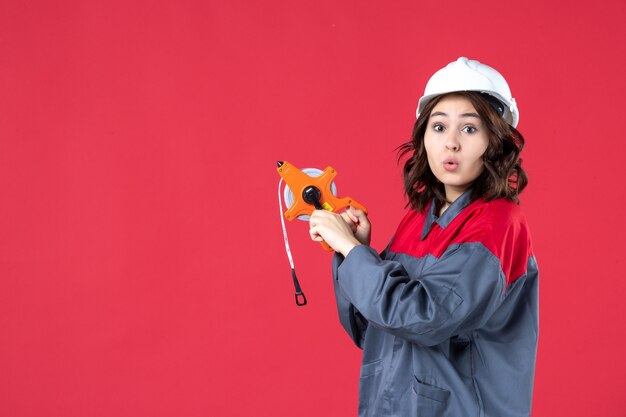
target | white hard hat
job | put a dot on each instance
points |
(469, 75)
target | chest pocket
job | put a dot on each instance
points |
(430, 400)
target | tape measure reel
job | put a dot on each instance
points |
(305, 191)
(288, 196)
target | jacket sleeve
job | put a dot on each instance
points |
(454, 294)
(351, 320)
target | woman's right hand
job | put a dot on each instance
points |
(359, 223)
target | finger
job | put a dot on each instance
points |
(348, 220)
(355, 210)
(353, 217)
(323, 213)
(360, 215)
(315, 236)
(314, 216)
(347, 217)
(317, 217)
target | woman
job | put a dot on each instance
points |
(447, 315)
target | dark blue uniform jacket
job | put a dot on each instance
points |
(447, 315)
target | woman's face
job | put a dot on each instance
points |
(455, 141)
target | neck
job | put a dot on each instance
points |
(443, 208)
(452, 194)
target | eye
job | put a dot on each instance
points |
(469, 129)
(437, 127)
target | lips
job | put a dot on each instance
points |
(450, 164)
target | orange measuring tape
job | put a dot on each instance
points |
(305, 191)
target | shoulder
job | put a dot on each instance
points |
(507, 222)
(491, 221)
(502, 228)
(505, 212)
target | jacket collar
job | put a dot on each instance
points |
(448, 215)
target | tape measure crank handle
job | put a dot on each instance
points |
(312, 195)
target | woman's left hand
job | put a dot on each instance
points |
(333, 229)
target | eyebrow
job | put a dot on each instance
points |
(440, 113)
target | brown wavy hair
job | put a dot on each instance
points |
(502, 176)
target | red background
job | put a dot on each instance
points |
(142, 269)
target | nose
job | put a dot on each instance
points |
(452, 142)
